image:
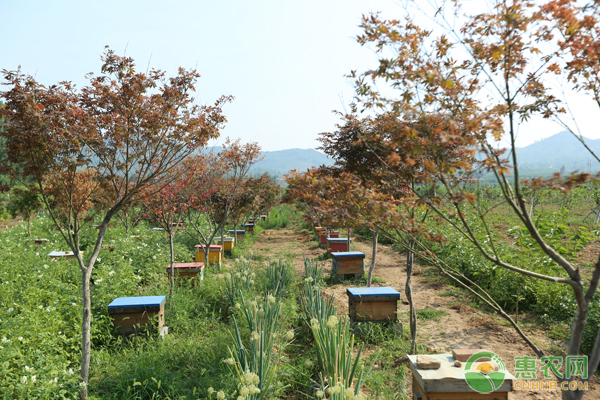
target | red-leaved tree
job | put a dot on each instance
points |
(125, 130)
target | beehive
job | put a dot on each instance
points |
(337, 244)
(215, 253)
(133, 314)
(40, 241)
(187, 270)
(239, 234)
(378, 304)
(226, 242)
(63, 254)
(249, 227)
(448, 381)
(324, 234)
(348, 262)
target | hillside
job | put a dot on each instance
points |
(280, 162)
(559, 150)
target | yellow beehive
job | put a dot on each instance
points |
(214, 254)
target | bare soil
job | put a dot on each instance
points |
(462, 327)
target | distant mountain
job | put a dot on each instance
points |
(559, 150)
(281, 161)
(286, 160)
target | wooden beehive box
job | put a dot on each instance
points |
(215, 253)
(377, 304)
(187, 270)
(263, 217)
(249, 227)
(348, 262)
(40, 241)
(448, 381)
(63, 254)
(337, 244)
(239, 234)
(323, 237)
(319, 229)
(325, 234)
(226, 242)
(133, 314)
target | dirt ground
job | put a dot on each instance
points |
(462, 326)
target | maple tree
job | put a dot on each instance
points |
(122, 131)
(462, 84)
(358, 146)
(230, 168)
(167, 204)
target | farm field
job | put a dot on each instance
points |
(41, 321)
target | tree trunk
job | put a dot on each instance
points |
(126, 223)
(348, 239)
(172, 270)
(373, 257)
(410, 257)
(235, 234)
(86, 331)
(29, 225)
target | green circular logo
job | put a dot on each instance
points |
(485, 377)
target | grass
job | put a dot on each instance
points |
(429, 314)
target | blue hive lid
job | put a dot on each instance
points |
(338, 240)
(238, 231)
(142, 301)
(347, 254)
(249, 224)
(372, 291)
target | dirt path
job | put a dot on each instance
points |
(461, 326)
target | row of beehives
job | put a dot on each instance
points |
(374, 304)
(438, 376)
(130, 314)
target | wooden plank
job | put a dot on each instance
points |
(349, 267)
(133, 322)
(418, 393)
(135, 309)
(375, 311)
(374, 298)
(459, 386)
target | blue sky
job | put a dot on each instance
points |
(283, 60)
